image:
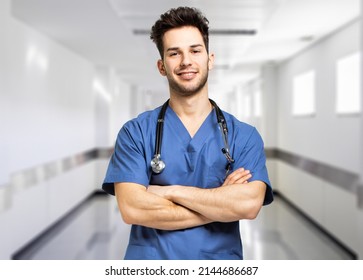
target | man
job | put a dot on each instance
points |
(190, 210)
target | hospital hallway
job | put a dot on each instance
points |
(286, 74)
(95, 231)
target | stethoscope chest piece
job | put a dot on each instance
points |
(157, 165)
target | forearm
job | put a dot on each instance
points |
(137, 206)
(224, 204)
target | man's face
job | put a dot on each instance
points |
(186, 62)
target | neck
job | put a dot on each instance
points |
(190, 106)
(192, 111)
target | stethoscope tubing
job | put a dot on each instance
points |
(157, 165)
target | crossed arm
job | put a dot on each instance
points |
(178, 207)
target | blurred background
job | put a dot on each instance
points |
(72, 72)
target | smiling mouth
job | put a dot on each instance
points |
(187, 75)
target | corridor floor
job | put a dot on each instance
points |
(95, 231)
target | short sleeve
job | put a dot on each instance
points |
(253, 158)
(127, 163)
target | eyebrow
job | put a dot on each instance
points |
(177, 48)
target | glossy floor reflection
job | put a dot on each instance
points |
(95, 231)
(280, 232)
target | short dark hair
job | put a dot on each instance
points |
(179, 17)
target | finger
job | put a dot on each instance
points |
(238, 176)
(243, 180)
(232, 177)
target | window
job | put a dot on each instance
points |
(303, 99)
(348, 70)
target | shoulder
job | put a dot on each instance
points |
(139, 129)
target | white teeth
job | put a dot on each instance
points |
(187, 75)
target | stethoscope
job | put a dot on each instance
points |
(158, 165)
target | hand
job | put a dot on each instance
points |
(239, 176)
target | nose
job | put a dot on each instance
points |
(185, 60)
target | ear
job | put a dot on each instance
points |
(211, 61)
(161, 67)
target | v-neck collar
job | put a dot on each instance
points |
(192, 144)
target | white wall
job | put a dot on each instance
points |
(112, 110)
(360, 214)
(3, 27)
(325, 137)
(112, 105)
(48, 109)
(47, 100)
(305, 136)
(269, 104)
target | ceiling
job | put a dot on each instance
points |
(114, 33)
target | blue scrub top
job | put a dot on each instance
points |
(196, 161)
